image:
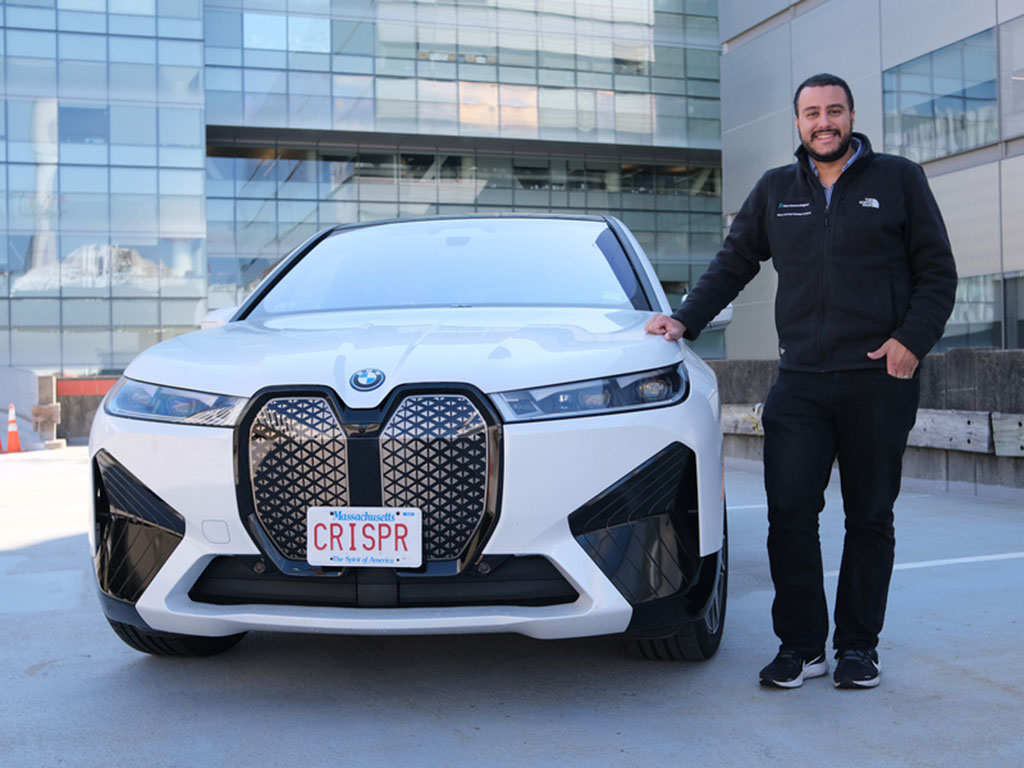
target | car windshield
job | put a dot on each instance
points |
(461, 262)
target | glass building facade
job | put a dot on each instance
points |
(104, 151)
(966, 96)
(943, 102)
(159, 156)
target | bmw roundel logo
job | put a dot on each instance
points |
(366, 379)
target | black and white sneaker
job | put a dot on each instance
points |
(790, 668)
(857, 668)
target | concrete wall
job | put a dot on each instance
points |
(971, 380)
(915, 27)
(961, 379)
(735, 17)
(77, 413)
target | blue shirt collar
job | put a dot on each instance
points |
(858, 147)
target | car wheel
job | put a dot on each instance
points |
(694, 640)
(170, 644)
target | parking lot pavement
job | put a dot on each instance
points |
(951, 693)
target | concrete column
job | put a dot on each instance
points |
(46, 415)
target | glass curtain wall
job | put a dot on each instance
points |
(103, 231)
(261, 203)
(961, 97)
(632, 72)
(118, 228)
(943, 102)
(629, 71)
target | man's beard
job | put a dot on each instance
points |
(832, 156)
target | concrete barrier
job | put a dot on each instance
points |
(969, 436)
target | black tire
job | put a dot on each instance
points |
(170, 644)
(695, 640)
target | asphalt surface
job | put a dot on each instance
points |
(951, 654)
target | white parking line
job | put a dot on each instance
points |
(748, 506)
(949, 561)
(958, 561)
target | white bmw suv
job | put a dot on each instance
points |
(438, 425)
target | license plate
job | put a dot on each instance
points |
(364, 537)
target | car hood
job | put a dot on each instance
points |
(493, 349)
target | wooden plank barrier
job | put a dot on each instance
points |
(1008, 434)
(1001, 434)
(968, 431)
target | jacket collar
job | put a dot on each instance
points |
(865, 154)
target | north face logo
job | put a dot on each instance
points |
(869, 202)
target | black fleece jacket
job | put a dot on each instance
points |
(874, 264)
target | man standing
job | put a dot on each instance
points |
(866, 282)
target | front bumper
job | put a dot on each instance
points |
(550, 469)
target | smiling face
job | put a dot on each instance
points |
(825, 122)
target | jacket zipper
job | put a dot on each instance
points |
(824, 283)
(826, 234)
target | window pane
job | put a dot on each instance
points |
(297, 175)
(83, 80)
(1012, 79)
(396, 40)
(181, 84)
(135, 267)
(265, 31)
(457, 183)
(132, 50)
(377, 177)
(83, 47)
(132, 125)
(944, 102)
(31, 77)
(352, 37)
(38, 44)
(182, 267)
(181, 128)
(35, 333)
(416, 167)
(5, 329)
(82, 125)
(306, 33)
(478, 108)
(223, 28)
(133, 82)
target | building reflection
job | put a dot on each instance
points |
(161, 158)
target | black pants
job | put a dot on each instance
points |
(810, 419)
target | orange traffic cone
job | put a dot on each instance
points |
(13, 441)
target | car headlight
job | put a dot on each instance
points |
(647, 389)
(138, 400)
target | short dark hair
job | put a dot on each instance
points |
(816, 81)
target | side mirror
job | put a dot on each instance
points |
(721, 320)
(216, 317)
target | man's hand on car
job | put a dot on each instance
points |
(666, 326)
